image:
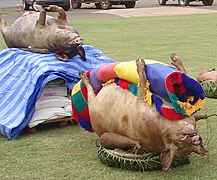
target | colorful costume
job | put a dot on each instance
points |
(167, 84)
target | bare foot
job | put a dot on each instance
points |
(177, 62)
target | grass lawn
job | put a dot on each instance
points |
(70, 152)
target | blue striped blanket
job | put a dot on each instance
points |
(24, 74)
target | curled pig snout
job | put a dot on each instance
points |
(78, 40)
(196, 140)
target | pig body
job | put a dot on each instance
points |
(36, 30)
(123, 120)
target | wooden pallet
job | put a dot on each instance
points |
(59, 121)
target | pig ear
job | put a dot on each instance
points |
(61, 56)
(166, 158)
(82, 53)
(199, 117)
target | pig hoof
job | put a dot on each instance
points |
(137, 149)
(140, 63)
(2, 21)
(19, 7)
(53, 8)
(20, 10)
(39, 8)
(175, 60)
(173, 56)
(83, 76)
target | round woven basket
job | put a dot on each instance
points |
(210, 88)
(128, 161)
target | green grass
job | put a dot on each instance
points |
(70, 152)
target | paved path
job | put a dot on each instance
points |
(156, 11)
(90, 12)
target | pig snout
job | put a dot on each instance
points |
(190, 135)
(75, 47)
(75, 40)
(78, 40)
(198, 148)
(196, 140)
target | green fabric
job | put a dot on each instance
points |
(174, 99)
(210, 88)
(78, 100)
(134, 89)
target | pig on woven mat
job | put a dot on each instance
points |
(38, 32)
(124, 121)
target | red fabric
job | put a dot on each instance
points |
(171, 114)
(84, 92)
(85, 114)
(174, 83)
(88, 73)
(107, 72)
(75, 113)
(123, 83)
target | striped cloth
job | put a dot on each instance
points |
(24, 74)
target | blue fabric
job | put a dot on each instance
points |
(24, 74)
(94, 81)
(156, 74)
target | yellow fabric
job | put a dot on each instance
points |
(148, 94)
(109, 82)
(128, 70)
(189, 108)
(76, 88)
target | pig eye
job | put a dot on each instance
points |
(61, 27)
(184, 137)
(192, 135)
(177, 143)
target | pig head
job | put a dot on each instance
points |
(125, 121)
(38, 32)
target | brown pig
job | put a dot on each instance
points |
(123, 120)
(38, 32)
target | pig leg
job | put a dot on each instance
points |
(40, 23)
(197, 117)
(42, 18)
(36, 50)
(90, 91)
(111, 140)
(39, 8)
(177, 63)
(62, 13)
(142, 78)
(20, 10)
(2, 22)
